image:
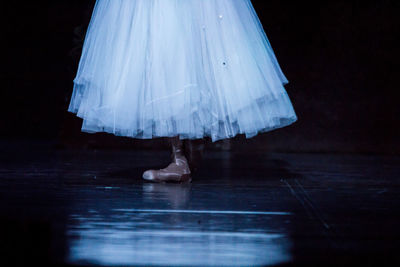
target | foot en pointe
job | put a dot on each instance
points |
(180, 169)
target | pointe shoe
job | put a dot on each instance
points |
(176, 171)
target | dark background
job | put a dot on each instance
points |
(339, 57)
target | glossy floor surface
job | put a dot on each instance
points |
(83, 208)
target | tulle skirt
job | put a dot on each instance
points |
(193, 68)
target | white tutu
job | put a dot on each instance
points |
(194, 68)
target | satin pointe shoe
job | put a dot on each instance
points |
(177, 171)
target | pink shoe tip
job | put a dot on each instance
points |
(147, 175)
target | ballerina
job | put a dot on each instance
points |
(181, 69)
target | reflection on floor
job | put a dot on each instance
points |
(82, 208)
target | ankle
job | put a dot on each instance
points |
(178, 158)
(177, 150)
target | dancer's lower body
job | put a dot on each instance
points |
(186, 157)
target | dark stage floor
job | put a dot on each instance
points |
(242, 209)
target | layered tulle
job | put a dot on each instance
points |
(193, 68)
